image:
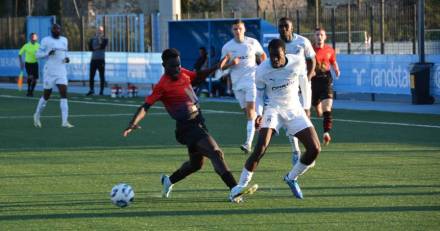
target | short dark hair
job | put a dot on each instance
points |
(238, 21)
(32, 34)
(277, 43)
(319, 29)
(285, 19)
(169, 53)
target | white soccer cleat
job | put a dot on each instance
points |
(37, 122)
(67, 125)
(237, 192)
(167, 186)
(326, 138)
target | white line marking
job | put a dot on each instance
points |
(205, 111)
(79, 116)
(387, 123)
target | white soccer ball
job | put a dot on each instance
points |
(122, 195)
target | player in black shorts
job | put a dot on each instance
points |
(322, 83)
(322, 87)
(175, 91)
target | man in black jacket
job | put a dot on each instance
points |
(97, 45)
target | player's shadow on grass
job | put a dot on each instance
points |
(220, 212)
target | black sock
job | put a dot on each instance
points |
(229, 179)
(328, 121)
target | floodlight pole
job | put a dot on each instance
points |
(421, 30)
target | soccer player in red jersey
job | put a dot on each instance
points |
(175, 91)
(322, 82)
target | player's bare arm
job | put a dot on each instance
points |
(258, 122)
(134, 122)
(336, 68)
(234, 62)
(261, 58)
(203, 74)
(311, 65)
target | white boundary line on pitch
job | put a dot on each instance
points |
(79, 116)
(208, 111)
(387, 123)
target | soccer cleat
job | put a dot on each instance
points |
(295, 157)
(294, 186)
(37, 122)
(67, 125)
(237, 192)
(326, 138)
(90, 93)
(246, 148)
(167, 186)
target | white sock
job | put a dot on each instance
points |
(40, 106)
(298, 170)
(245, 177)
(294, 143)
(250, 128)
(64, 110)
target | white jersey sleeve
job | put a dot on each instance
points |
(309, 52)
(306, 91)
(258, 48)
(42, 51)
(224, 51)
(261, 87)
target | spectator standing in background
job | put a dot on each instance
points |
(97, 45)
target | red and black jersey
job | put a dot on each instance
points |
(324, 57)
(178, 96)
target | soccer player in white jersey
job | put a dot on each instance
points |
(245, 53)
(278, 79)
(300, 46)
(54, 49)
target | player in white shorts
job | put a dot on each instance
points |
(54, 49)
(243, 51)
(302, 47)
(278, 79)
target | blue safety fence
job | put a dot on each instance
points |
(387, 74)
(384, 74)
(120, 67)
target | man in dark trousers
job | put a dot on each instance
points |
(97, 45)
(175, 91)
